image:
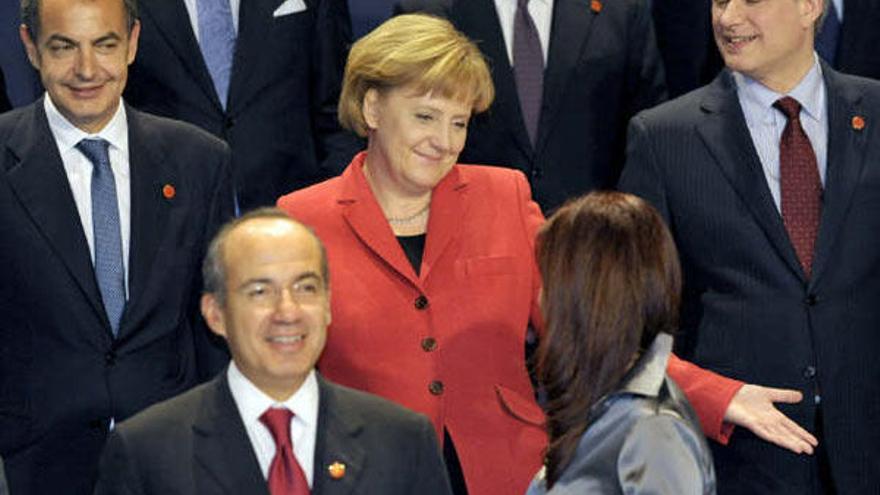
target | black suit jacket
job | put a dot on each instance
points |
(859, 38)
(602, 68)
(197, 444)
(748, 310)
(280, 120)
(62, 374)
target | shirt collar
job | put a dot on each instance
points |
(646, 376)
(67, 135)
(809, 92)
(253, 402)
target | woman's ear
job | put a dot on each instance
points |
(371, 108)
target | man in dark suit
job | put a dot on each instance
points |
(267, 294)
(105, 215)
(767, 181)
(601, 66)
(269, 89)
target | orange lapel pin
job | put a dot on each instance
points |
(168, 191)
(336, 470)
(858, 122)
(596, 6)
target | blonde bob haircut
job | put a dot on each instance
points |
(424, 52)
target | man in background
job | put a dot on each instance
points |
(105, 214)
(263, 76)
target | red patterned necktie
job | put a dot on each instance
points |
(286, 477)
(800, 186)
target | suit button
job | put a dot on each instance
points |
(97, 424)
(435, 387)
(811, 300)
(421, 302)
(429, 344)
(809, 372)
(110, 358)
(229, 123)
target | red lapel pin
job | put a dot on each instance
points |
(858, 122)
(596, 6)
(336, 470)
(168, 191)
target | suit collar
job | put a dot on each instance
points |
(38, 180)
(222, 449)
(173, 23)
(846, 159)
(479, 19)
(725, 134)
(572, 25)
(150, 208)
(339, 426)
(364, 215)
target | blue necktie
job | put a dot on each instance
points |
(217, 41)
(109, 269)
(828, 36)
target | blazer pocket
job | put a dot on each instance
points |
(488, 265)
(520, 407)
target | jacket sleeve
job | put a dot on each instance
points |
(709, 394)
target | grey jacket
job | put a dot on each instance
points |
(644, 438)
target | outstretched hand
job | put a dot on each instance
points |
(752, 407)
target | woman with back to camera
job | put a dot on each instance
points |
(433, 275)
(615, 421)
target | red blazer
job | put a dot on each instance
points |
(448, 342)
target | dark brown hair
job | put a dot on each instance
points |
(611, 284)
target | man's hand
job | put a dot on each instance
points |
(752, 407)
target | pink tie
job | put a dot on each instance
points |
(286, 477)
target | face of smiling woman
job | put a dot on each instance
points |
(277, 304)
(770, 41)
(414, 139)
(83, 51)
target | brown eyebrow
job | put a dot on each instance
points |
(111, 36)
(300, 278)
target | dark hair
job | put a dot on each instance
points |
(611, 283)
(30, 15)
(213, 266)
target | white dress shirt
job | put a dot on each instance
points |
(542, 15)
(193, 11)
(79, 170)
(766, 123)
(252, 403)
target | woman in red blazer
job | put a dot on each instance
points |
(433, 275)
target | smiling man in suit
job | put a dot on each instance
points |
(769, 182)
(568, 76)
(270, 424)
(105, 214)
(263, 75)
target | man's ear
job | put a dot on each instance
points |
(133, 37)
(213, 314)
(371, 108)
(30, 46)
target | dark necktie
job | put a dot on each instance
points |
(286, 477)
(799, 183)
(217, 41)
(528, 67)
(828, 36)
(109, 269)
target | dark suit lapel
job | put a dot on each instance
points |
(846, 158)
(572, 23)
(149, 210)
(223, 452)
(337, 443)
(479, 20)
(254, 22)
(725, 133)
(364, 215)
(172, 20)
(39, 182)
